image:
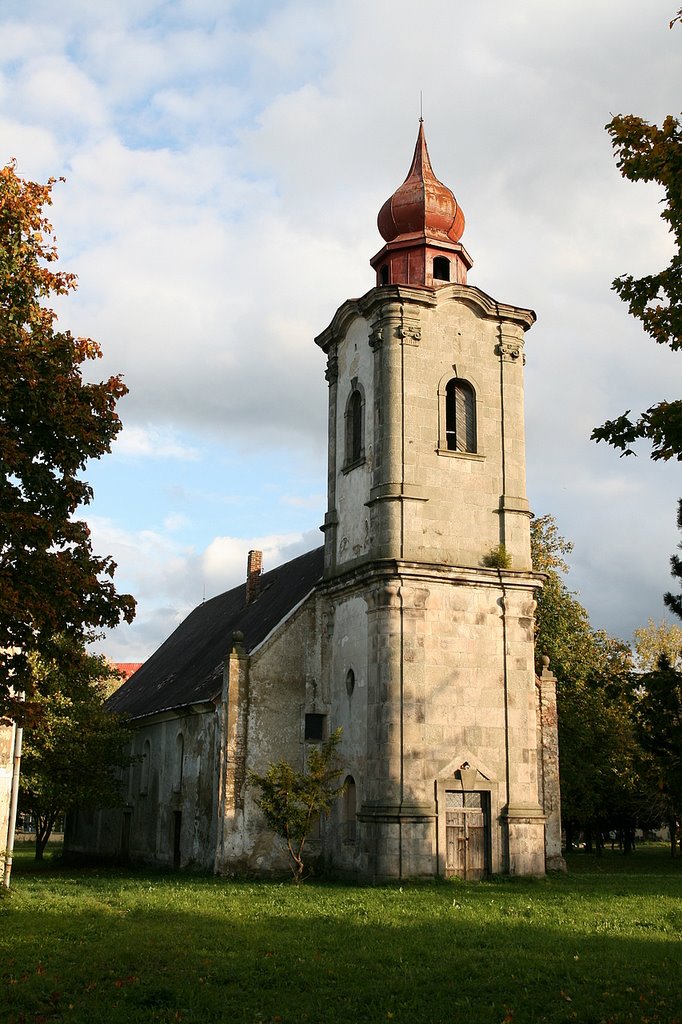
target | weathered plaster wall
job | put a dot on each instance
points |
(348, 652)
(460, 521)
(463, 688)
(355, 363)
(283, 683)
(160, 785)
(414, 498)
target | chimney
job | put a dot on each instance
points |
(254, 567)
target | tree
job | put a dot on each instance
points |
(51, 423)
(674, 601)
(599, 756)
(659, 711)
(74, 754)
(292, 801)
(563, 631)
(646, 152)
(657, 639)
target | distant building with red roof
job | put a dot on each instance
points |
(127, 668)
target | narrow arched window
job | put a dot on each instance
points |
(350, 681)
(441, 269)
(179, 763)
(145, 767)
(383, 274)
(349, 810)
(355, 428)
(460, 416)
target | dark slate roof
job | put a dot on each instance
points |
(188, 667)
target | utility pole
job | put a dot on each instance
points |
(7, 851)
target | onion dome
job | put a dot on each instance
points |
(422, 203)
(421, 224)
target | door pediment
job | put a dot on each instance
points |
(465, 758)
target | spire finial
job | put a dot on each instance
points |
(421, 107)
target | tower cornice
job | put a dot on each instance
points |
(372, 302)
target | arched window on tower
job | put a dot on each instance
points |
(460, 416)
(349, 810)
(355, 427)
(441, 268)
(383, 274)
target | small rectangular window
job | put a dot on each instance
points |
(314, 727)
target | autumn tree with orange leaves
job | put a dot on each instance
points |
(51, 423)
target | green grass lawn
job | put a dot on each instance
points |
(602, 944)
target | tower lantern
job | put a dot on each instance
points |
(422, 224)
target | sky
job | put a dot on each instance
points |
(225, 161)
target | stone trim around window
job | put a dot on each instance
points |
(354, 427)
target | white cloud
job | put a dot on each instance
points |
(175, 521)
(152, 442)
(53, 89)
(19, 40)
(168, 578)
(224, 560)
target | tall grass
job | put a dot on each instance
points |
(603, 944)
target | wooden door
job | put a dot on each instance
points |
(177, 836)
(466, 834)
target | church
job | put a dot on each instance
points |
(411, 628)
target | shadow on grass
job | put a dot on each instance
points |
(110, 946)
(647, 859)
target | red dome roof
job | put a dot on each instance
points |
(422, 204)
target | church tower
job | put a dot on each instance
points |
(428, 595)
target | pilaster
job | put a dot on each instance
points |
(514, 509)
(399, 815)
(523, 816)
(331, 519)
(397, 328)
(548, 744)
(233, 723)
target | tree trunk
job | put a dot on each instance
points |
(296, 862)
(44, 826)
(629, 840)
